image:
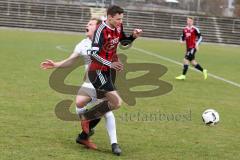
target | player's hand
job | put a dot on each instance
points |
(118, 66)
(48, 64)
(137, 32)
(197, 48)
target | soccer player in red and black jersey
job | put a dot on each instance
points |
(105, 62)
(193, 38)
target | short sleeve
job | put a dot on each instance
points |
(78, 48)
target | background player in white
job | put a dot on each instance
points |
(87, 92)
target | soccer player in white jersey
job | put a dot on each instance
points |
(87, 92)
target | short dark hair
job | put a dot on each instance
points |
(113, 10)
(96, 19)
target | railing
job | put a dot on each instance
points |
(155, 24)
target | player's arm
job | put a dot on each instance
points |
(50, 64)
(126, 40)
(199, 35)
(182, 37)
(97, 46)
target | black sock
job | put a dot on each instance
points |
(185, 68)
(93, 123)
(97, 111)
(83, 135)
(199, 67)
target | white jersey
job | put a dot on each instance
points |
(83, 49)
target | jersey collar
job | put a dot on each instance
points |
(108, 26)
(189, 27)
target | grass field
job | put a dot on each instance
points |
(31, 130)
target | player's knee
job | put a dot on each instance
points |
(117, 104)
(194, 65)
(80, 103)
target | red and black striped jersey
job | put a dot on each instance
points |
(104, 46)
(192, 36)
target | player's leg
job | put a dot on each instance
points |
(113, 102)
(82, 99)
(92, 124)
(86, 94)
(186, 63)
(199, 67)
(111, 126)
(102, 82)
(185, 66)
(83, 138)
(110, 119)
(111, 129)
(196, 65)
(114, 99)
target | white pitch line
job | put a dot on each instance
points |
(61, 48)
(178, 63)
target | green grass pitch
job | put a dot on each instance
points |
(31, 130)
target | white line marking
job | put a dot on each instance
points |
(61, 48)
(178, 63)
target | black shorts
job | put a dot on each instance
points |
(103, 81)
(190, 55)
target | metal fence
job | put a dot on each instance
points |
(73, 17)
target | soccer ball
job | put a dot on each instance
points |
(210, 117)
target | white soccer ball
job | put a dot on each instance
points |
(210, 117)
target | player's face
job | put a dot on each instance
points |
(91, 27)
(189, 22)
(116, 20)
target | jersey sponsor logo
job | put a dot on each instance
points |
(111, 45)
(188, 35)
(115, 41)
